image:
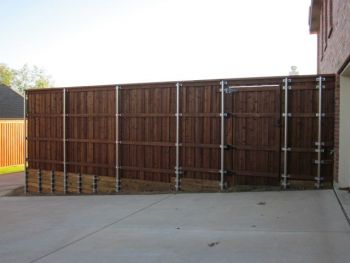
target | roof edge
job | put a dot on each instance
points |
(314, 16)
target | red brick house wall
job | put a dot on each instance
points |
(330, 20)
(333, 35)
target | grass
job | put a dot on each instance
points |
(12, 169)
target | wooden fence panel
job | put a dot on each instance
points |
(11, 142)
(253, 132)
(303, 126)
(147, 135)
(200, 135)
(45, 130)
(90, 131)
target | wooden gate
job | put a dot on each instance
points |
(190, 136)
(255, 133)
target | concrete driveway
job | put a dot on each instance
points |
(294, 226)
(8, 182)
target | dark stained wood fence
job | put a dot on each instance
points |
(79, 133)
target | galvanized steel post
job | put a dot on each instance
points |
(25, 141)
(64, 143)
(79, 183)
(177, 144)
(285, 148)
(320, 86)
(222, 143)
(39, 181)
(117, 114)
(52, 181)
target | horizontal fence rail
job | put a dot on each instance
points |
(191, 135)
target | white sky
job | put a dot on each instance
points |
(103, 42)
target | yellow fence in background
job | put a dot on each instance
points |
(11, 142)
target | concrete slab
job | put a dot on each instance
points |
(295, 226)
(8, 182)
(344, 199)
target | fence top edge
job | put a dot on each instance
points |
(250, 80)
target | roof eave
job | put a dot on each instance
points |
(314, 16)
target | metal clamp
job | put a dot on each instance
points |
(318, 183)
(319, 162)
(94, 184)
(223, 185)
(288, 149)
(178, 170)
(229, 90)
(323, 87)
(79, 183)
(321, 143)
(285, 176)
(319, 150)
(226, 146)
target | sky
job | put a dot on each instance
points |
(94, 42)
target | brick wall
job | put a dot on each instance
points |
(332, 55)
(338, 44)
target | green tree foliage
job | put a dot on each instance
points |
(25, 78)
(6, 75)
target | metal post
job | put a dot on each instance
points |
(177, 144)
(79, 183)
(25, 141)
(222, 144)
(285, 148)
(64, 144)
(94, 184)
(117, 114)
(319, 133)
(39, 181)
(52, 181)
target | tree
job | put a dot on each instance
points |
(30, 77)
(24, 78)
(6, 75)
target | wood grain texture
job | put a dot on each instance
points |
(147, 133)
(11, 142)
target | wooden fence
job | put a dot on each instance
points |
(193, 135)
(11, 142)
